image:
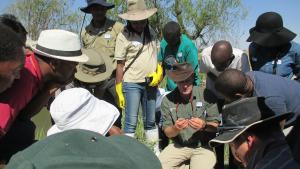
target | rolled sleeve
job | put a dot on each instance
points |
(212, 113)
(166, 115)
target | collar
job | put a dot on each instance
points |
(108, 25)
(262, 150)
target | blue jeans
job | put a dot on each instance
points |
(136, 93)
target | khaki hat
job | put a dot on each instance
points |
(97, 69)
(137, 10)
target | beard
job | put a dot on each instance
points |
(62, 80)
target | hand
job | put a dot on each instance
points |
(197, 123)
(51, 88)
(181, 124)
(121, 99)
(156, 76)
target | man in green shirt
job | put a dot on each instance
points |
(177, 47)
(187, 119)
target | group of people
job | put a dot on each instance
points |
(248, 101)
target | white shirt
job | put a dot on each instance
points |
(240, 62)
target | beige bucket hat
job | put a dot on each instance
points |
(97, 68)
(137, 10)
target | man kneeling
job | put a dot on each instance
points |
(187, 119)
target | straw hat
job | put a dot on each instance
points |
(60, 44)
(137, 10)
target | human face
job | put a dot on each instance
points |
(222, 65)
(9, 71)
(173, 41)
(186, 87)
(139, 26)
(241, 148)
(64, 72)
(98, 12)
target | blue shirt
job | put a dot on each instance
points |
(287, 66)
(281, 94)
(186, 52)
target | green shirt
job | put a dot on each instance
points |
(187, 52)
(174, 107)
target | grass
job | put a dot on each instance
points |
(43, 123)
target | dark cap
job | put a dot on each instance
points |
(96, 2)
(77, 149)
(242, 114)
(269, 31)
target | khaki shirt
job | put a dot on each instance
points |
(174, 107)
(127, 46)
(104, 39)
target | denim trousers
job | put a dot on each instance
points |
(136, 93)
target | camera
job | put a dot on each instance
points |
(148, 80)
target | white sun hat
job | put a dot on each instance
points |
(77, 108)
(60, 44)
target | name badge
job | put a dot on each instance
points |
(279, 62)
(107, 36)
(199, 104)
(136, 43)
(172, 109)
(179, 54)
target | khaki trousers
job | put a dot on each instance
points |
(175, 157)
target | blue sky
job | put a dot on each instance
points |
(289, 10)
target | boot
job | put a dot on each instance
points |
(152, 137)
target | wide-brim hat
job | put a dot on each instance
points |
(60, 44)
(77, 108)
(77, 149)
(180, 71)
(243, 114)
(96, 2)
(137, 10)
(269, 31)
(97, 69)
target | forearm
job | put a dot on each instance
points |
(211, 126)
(119, 71)
(171, 131)
(39, 101)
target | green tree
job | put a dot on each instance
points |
(205, 19)
(37, 15)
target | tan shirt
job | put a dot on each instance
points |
(127, 46)
(104, 39)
